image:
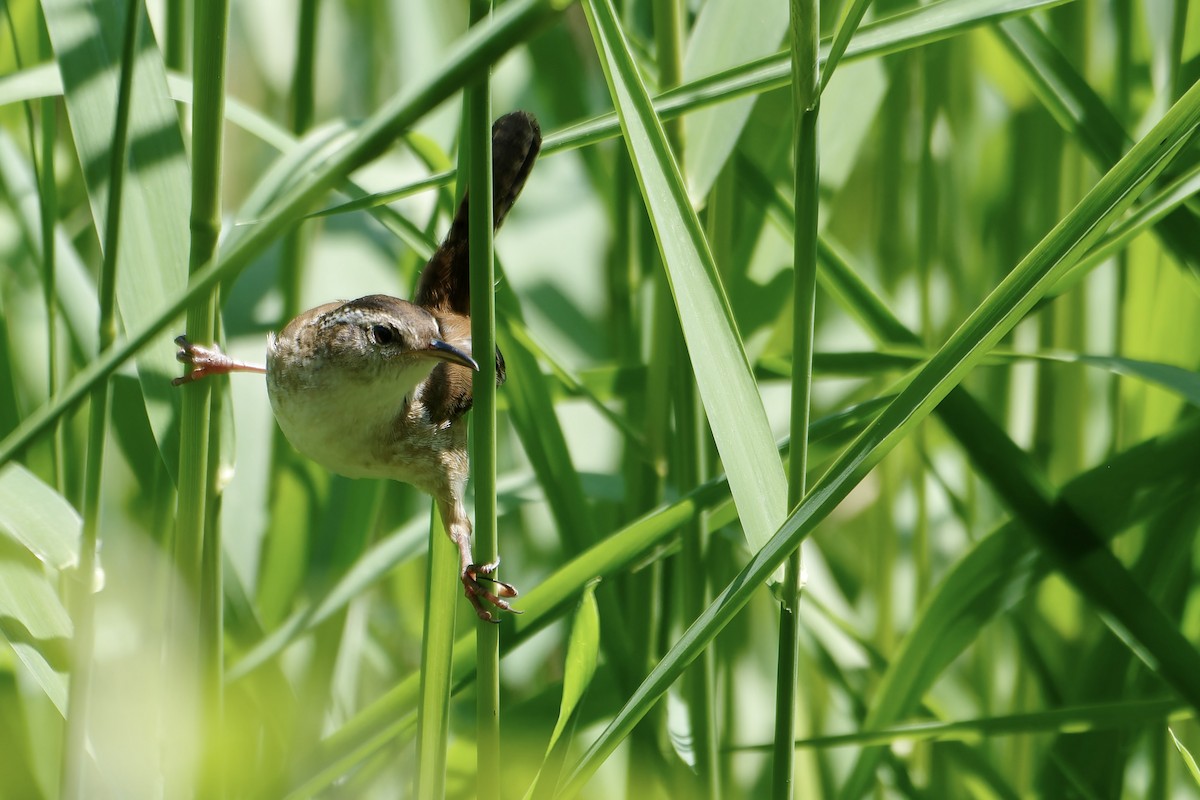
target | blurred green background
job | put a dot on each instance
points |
(999, 581)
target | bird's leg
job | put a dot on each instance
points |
(206, 361)
(458, 528)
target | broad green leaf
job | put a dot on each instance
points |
(34, 621)
(722, 372)
(39, 518)
(726, 33)
(76, 288)
(154, 220)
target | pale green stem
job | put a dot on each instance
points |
(805, 32)
(478, 143)
(75, 756)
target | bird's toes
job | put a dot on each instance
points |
(200, 359)
(478, 594)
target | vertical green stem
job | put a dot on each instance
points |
(805, 31)
(437, 647)
(478, 139)
(303, 93)
(197, 544)
(687, 457)
(48, 208)
(291, 263)
(74, 753)
(1122, 19)
(47, 212)
(926, 80)
(288, 539)
(175, 28)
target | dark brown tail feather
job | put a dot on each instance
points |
(445, 282)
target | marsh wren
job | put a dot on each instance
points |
(378, 387)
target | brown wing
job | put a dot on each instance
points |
(448, 390)
(445, 283)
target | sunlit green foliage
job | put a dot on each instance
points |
(999, 539)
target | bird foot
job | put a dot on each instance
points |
(471, 575)
(205, 361)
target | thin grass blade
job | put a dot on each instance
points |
(727, 387)
(1111, 196)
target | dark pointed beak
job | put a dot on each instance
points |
(448, 352)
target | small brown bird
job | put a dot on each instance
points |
(378, 387)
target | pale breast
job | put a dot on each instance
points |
(352, 427)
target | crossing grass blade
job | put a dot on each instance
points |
(1004, 603)
(1169, 652)
(727, 388)
(154, 228)
(512, 24)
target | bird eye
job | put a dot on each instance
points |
(383, 334)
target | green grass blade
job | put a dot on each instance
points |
(198, 550)
(365, 572)
(549, 600)
(477, 152)
(385, 718)
(727, 388)
(32, 618)
(38, 518)
(899, 33)
(583, 651)
(1188, 760)
(804, 32)
(722, 37)
(80, 691)
(1002, 568)
(76, 287)
(1174, 379)
(1146, 216)
(1071, 720)
(851, 18)
(154, 229)
(30, 83)
(34, 621)
(1081, 112)
(437, 645)
(903, 31)
(1111, 196)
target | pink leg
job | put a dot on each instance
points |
(206, 361)
(458, 527)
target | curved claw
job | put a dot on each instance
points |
(471, 576)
